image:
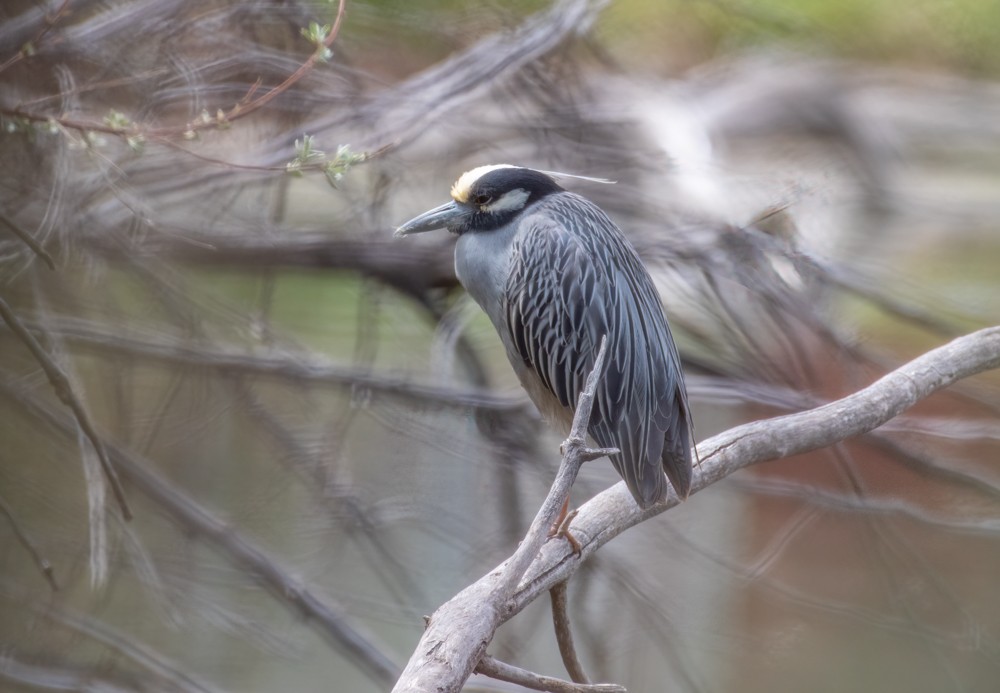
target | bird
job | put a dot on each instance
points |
(555, 275)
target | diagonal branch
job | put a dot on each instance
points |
(28, 240)
(43, 563)
(575, 454)
(459, 629)
(64, 390)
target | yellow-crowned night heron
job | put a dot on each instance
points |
(555, 274)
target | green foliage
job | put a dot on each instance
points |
(341, 163)
(317, 34)
(117, 120)
(307, 156)
(676, 34)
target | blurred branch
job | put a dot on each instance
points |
(29, 545)
(323, 37)
(28, 240)
(340, 501)
(360, 648)
(61, 677)
(871, 504)
(60, 383)
(864, 287)
(402, 112)
(309, 368)
(415, 267)
(461, 629)
(158, 670)
(31, 46)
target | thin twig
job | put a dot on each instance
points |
(30, 546)
(575, 453)
(60, 383)
(564, 635)
(495, 669)
(28, 240)
(51, 19)
(247, 106)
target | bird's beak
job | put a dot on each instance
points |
(447, 215)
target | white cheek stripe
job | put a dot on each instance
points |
(510, 201)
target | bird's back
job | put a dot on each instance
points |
(571, 278)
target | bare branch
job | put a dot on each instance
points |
(575, 453)
(464, 626)
(495, 669)
(863, 411)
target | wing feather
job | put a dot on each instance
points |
(569, 285)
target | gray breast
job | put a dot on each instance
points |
(482, 263)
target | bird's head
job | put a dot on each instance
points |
(484, 199)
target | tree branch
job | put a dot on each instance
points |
(495, 669)
(456, 638)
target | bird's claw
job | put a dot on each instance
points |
(561, 529)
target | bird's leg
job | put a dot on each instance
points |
(560, 519)
(560, 528)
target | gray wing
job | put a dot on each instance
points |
(568, 287)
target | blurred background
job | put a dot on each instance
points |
(318, 434)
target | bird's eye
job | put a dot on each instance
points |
(483, 199)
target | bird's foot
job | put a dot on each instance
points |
(560, 528)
